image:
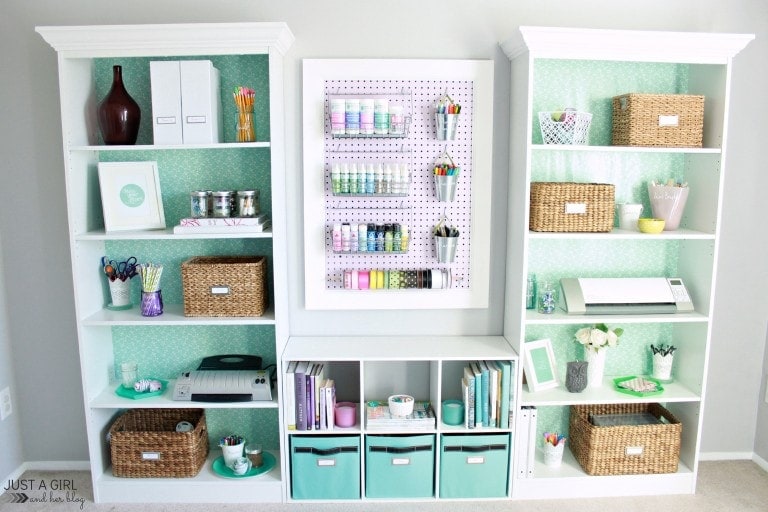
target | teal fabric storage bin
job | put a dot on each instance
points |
(474, 466)
(401, 466)
(325, 467)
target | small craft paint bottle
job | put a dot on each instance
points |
(381, 116)
(370, 179)
(353, 178)
(397, 239)
(404, 238)
(366, 116)
(371, 237)
(396, 120)
(336, 236)
(338, 109)
(379, 237)
(353, 232)
(388, 237)
(345, 237)
(352, 116)
(362, 237)
(336, 178)
(345, 178)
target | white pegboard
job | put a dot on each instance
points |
(420, 210)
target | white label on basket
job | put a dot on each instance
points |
(633, 450)
(475, 460)
(326, 462)
(669, 120)
(575, 207)
(219, 290)
(150, 455)
(400, 461)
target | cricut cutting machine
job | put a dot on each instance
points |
(625, 295)
(225, 378)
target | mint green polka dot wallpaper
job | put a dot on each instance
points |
(165, 351)
(589, 86)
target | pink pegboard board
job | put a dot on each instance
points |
(420, 210)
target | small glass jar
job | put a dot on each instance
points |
(129, 374)
(198, 202)
(255, 454)
(547, 297)
(247, 203)
(222, 203)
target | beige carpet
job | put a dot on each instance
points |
(723, 486)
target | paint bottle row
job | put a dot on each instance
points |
(366, 117)
(375, 178)
(389, 238)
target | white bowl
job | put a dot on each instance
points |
(400, 405)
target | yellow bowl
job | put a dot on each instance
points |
(652, 226)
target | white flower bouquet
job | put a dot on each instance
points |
(599, 337)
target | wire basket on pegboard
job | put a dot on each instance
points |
(568, 127)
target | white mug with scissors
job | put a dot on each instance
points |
(628, 215)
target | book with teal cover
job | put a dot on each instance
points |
(485, 397)
(478, 393)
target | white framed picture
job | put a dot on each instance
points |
(539, 365)
(130, 196)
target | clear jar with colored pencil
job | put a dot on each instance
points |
(151, 296)
(244, 99)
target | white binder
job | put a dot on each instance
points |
(200, 102)
(165, 86)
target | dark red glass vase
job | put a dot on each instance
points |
(118, 114)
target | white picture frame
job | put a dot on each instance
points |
(539, 365)
(130, 196)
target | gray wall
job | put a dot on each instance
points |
(36, 257)
(10, 433)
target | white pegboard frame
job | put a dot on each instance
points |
(318, 74)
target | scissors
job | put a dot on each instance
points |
(119, 270)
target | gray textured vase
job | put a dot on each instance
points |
(576, 376)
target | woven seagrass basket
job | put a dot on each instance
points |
(664, 120)
(223, 286)
(571, 207)
(625, 449)
(144, 443)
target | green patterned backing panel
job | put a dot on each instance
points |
(631, 357)
(172, 254)
(184, 170)
(630, 173)
(589, 86)
(235, 70)
(165, 351)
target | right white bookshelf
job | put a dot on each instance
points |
(557, 68)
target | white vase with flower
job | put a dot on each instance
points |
(596, 340)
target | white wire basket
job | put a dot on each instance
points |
(571, 127)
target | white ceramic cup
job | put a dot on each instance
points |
(628, 215)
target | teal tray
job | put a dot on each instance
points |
(135, 395)
(619, 380)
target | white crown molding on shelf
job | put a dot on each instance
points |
(638, 45)
(173, 39)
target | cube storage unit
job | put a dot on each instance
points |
(400, 466)
(474, 466)
(325, 467)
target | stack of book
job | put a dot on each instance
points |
(310, 397)
(377, 417)
(212, 225)
(488, 389)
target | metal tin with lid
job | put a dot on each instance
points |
(222, 203)
(247, 203)
(198, 202)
